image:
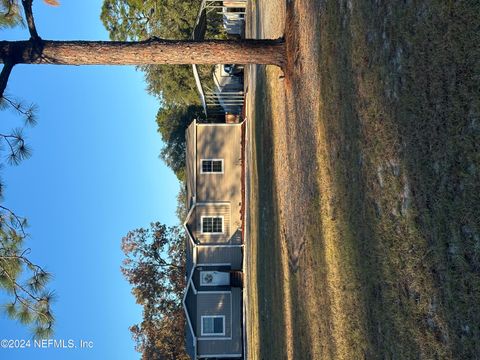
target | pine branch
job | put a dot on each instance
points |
(20, 220)
(7, 138)
(31, 296)
(4, 76)
(37, 268)
(47, 317)
(18, 149)
(27, 112)
(27, 8)
(16, 285)
(10, 227)
(24, 302)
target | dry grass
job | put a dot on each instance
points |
(366, 186)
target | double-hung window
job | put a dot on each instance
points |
(213, 325)
(212, 224)
(212, 166)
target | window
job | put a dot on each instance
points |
(212, 224)
(213, 325)
(212, 166)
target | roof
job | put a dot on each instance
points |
(189, 256)
(190, 313)
(189, 342)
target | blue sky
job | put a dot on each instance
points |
(94, 175)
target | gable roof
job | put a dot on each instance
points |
(191, 340)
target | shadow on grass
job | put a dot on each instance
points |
(397, 102)
(269, 271)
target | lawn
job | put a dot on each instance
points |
(365, 182)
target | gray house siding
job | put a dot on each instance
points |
(218, 193)
(209, 303)
(233, 346)
(222, 210)
(220, 255)
(231, 231)
(219, 142)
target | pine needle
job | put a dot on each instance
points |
(24, 315)
(42, 332)
(11, 310)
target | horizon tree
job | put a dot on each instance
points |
(154, 265)
(172, 123)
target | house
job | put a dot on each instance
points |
(213, 298)
(233, 13)
(224, 100)
(228, 80)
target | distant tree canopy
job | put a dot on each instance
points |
(174, 86)
(140, 20)
(154, 265)
(172, 123)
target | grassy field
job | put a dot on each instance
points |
(365, 201)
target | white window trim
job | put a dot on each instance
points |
(212, 264)
(212, 316)
(214, 338)
(212, 172)
(212, 216)
(220, 355)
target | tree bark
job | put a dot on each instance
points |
(144, 52)
(27, 8)
(4, 75)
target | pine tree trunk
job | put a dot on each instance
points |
(143, 53)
